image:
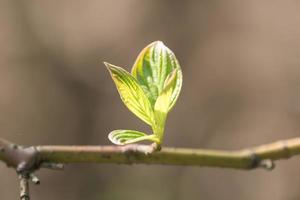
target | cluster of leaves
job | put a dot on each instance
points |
(150, 91)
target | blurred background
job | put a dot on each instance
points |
(240, 61)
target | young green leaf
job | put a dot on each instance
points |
(122, 137)
(163, 101)
(131, 93)
(162, 104)
(151, 69)
(150, 92)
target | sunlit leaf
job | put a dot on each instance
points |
(151, 69)
(122, 137)
(150, 92)
(131, 93)
(163, 102)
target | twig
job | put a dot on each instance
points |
(26, 160)
(261, 156)
(24, 187)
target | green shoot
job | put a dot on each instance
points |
(150, 91)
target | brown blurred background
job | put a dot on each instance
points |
(240, 62)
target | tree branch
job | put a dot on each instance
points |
(25, 160)
(261, 156)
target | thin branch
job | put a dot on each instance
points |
(261, 156)
(25, 160)
(24, 187)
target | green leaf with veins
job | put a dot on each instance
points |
(162, 104)
(149, 92)
(131, 93)
(121, 137)
(151, 69)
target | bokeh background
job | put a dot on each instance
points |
(240, 62)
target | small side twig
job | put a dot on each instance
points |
(24, 187)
